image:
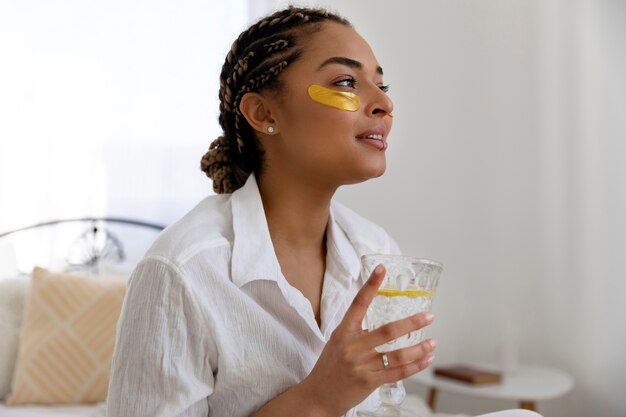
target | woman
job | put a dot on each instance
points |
(252, 303)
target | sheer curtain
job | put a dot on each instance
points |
(583, 194)
(106, 107)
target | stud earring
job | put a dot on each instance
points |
(270, 129)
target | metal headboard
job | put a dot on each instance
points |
(95, 243)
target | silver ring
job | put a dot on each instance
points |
(385, 360)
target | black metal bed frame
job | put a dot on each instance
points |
(95, 244)
(120, 220)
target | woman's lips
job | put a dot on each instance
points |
(379, 144)
(374, 137)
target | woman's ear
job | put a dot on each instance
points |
(256, 109)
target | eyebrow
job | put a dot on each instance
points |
(349, 62)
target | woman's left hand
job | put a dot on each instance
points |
(350, 368)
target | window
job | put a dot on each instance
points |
(106, 107)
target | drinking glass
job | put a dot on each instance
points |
(407, 289)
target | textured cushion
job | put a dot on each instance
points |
(67, 339)
(12, 293)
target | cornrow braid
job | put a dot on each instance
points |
(254, 63)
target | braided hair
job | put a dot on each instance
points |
(254, 63)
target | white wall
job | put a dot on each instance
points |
(506, 162)
(106, 107)
(589, 333)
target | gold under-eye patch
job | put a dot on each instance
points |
(341, 100)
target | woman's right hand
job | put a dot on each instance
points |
(350, 368)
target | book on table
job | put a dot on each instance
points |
(469, 374)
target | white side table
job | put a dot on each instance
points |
(527, 385)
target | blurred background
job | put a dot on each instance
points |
(507, 161)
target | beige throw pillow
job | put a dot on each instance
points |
(67, 339)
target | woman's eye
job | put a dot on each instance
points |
(384, 88)
(347, 82)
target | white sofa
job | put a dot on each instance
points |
(53, 411)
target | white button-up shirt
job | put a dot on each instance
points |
(210, 326)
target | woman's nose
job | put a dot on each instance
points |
(380, 104)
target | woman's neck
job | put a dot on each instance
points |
(297, 214)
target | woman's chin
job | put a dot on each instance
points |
(371, 173)
(378, 169)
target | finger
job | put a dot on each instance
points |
(400, 356)
(397, 373)
(356, 312)
(395, 329)
(410, 354)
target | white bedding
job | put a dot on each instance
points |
(53, 411)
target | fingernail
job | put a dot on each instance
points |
(430, 359)
(433, 343)
(428, 317)
(378, 269)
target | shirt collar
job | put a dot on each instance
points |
(253, 252)
(341, 248)
(253, 255)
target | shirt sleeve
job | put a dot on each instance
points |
(160, 365)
